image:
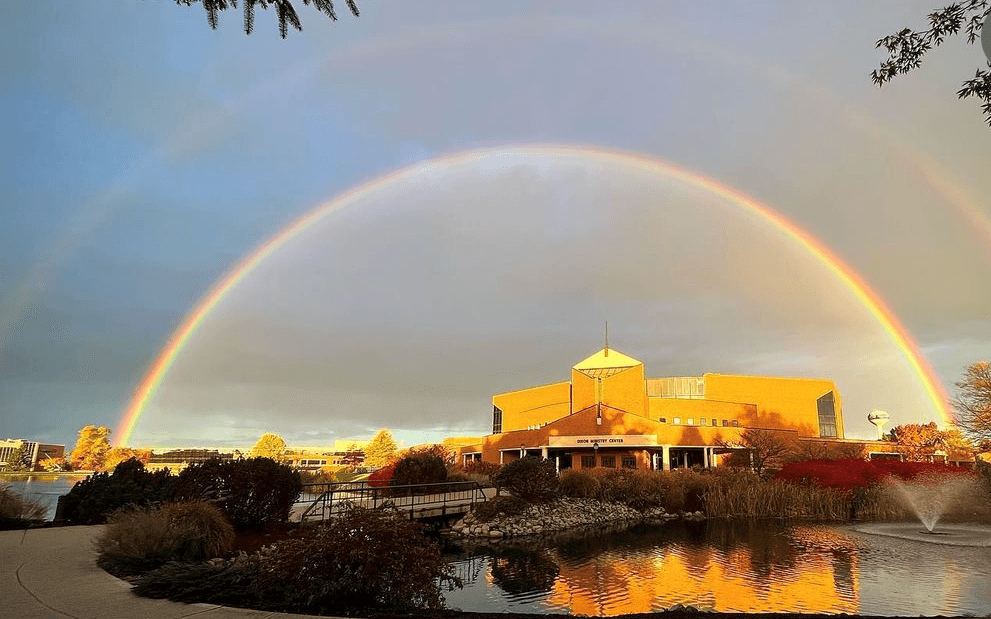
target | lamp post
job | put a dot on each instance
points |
(522, 451)
(595, 452)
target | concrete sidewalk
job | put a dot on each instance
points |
(51, 573)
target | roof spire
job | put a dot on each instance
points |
(606, 348)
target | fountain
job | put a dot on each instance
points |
(930, 497)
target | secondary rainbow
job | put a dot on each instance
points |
(843, 272)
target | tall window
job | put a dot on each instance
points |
(609, 462)
(496, 420)
(827, 415)
(629, 462)
(588, 462)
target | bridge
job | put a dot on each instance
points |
(318, 502)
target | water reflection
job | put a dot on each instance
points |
(738, 566)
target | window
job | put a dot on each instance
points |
(629, 462)
(588, 462)
(690, 422)
(609, 462)
(725, 422)
(663, 420)
(736, 423)
(677, 421)
(701, 421)
(496, 420)
(827, 415)
(714, 422)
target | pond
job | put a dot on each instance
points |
(43, 489)
(725, 566)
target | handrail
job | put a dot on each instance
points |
(323, 498)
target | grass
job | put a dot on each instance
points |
(16, 511)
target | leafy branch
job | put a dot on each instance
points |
(906, 48)
(284, 8)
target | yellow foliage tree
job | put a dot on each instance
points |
(122, 454)
(381, 450)
(92, 448)
(270, 446)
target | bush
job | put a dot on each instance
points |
(17, 512)
(93, 499)
(479, 471)
(252, 492)
(138, 539)
(531, 479)
(425, 467)
(382, 477)
(850, 473)
(579, 484)
(499, 506)
(364, 559)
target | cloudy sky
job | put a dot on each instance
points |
(144, 155)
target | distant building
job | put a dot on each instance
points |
(35, 452)
(611, 415)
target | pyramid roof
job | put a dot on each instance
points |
(605, 363)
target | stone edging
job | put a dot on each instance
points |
(558, 515)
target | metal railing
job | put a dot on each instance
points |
(323, 501)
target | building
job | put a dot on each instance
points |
(34, 452)
(611, 415)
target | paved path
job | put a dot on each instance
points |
(51, 573)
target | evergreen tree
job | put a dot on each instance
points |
(18, 459)
(381, 450)
(284, 9)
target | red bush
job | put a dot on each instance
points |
(852, 473)
(382, 477)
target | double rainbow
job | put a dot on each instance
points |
(844, 273)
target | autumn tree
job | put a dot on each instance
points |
(284, 10)
(762, 449)
(92, 448)
(54, 465)
(917, 442)
(122, 454)
(973, 402)
(381, 450)
(907, 47)
(270, 446)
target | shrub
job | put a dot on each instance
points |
(425, 467)
(252, 492)
(673, 495)
(499, 506)
(638, 489)
(141, 538)
(479, 471)
(531, 479)
(850, 473)
(579, 484)
(93, 499)
(364, 559)
(17, 512)
(694, 486)
(381, 477)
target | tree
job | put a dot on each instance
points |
(270, 446)
(907, 47)
(917, 442)
(92, 447)
(381, 450)
(122, 454)
(763, 448)
(284, 8)
(54, 465)
(19, 459)
(973, 403)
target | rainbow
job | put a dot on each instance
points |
(843, 273)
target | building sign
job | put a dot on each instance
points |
(605, 440)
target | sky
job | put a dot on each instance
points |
(146, 155)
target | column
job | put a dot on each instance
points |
(666, 457)
(543, 453)
(705, 457)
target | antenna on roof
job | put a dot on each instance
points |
(606, 348)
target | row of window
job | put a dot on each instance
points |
(609, 462)
(701, 421)
(690, 387)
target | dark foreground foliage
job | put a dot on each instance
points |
(364, 560)
(419, 468)
(252, 492)
(139, 539)
(92, 500)
(531, 479)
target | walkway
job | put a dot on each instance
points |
(51, 573)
